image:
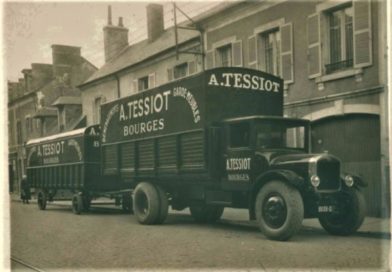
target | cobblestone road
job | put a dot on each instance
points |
(106, 238)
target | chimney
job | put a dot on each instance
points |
(154, 21)
(27, 77)
(115, 38)
(64, 58)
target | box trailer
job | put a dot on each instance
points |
(219, 139)
(67, 166)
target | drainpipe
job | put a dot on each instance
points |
(118, 86)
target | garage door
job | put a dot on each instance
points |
(355, 139)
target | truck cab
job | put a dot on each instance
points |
(269, 159)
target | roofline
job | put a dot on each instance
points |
(217, 9)
(134, 64)
(265, 117)
(20, 98)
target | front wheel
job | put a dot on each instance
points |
(206, 213)
(349, 216)
(279, 210)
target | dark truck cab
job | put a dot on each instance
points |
(219, 139)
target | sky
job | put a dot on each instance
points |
(30, 28)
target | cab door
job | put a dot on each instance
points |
(238, 156)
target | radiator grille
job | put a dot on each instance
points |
(329, 174)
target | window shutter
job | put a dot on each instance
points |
(286, 55)
(169, 74)
(151, 80)
(260, 45)
(135, 85)
(362, 33)
(192, 67)
(237, 53)
(314, 45)
(210, 59)
(252, 62)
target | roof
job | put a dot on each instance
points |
(79, 131)
(45, 112)
(67, 100)
(217, 9)
(140, 51)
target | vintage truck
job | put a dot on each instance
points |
(219, 139)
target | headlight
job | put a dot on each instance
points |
(349, 181)
(315, 180)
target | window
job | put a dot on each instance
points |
(239, 135)
(29, 124)
(340, 30)
(19, 132)
(271, 52)
(142, 83)
(180, 71)
(97, 110)
(345, 32)
(224, 56)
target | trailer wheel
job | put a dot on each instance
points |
(146, 203)
(41, 200)
(126, 203)
(77, 204)
(279, 210)
(350, 214)
(206, 213)
(164, 205)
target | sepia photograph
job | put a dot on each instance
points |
(196, 135)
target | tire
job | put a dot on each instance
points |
(126, 203)
(41, 200)
(279, 210)
(206, 213)
(146, 203)
(77, 204)
(163, 205)
(350, 216)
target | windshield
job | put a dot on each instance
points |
(280, 134)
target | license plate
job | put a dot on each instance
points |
(325, 209)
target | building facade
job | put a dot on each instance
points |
(331, 55)
(44, 102)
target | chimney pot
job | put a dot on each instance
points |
(109, 15)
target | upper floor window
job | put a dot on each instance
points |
(225, 53)
(180, 70)
(340, 29)
(223, 56)
(142, 83)
(97, 109)
(339, 37)
(271, 51)
(19, 132)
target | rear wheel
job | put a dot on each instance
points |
(349, 216)
(77, 204)
(146, 203)
(206, 213)
(279, 210)
(41, 200)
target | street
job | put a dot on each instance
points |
(106, 238)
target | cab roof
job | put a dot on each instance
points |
(265, 117)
